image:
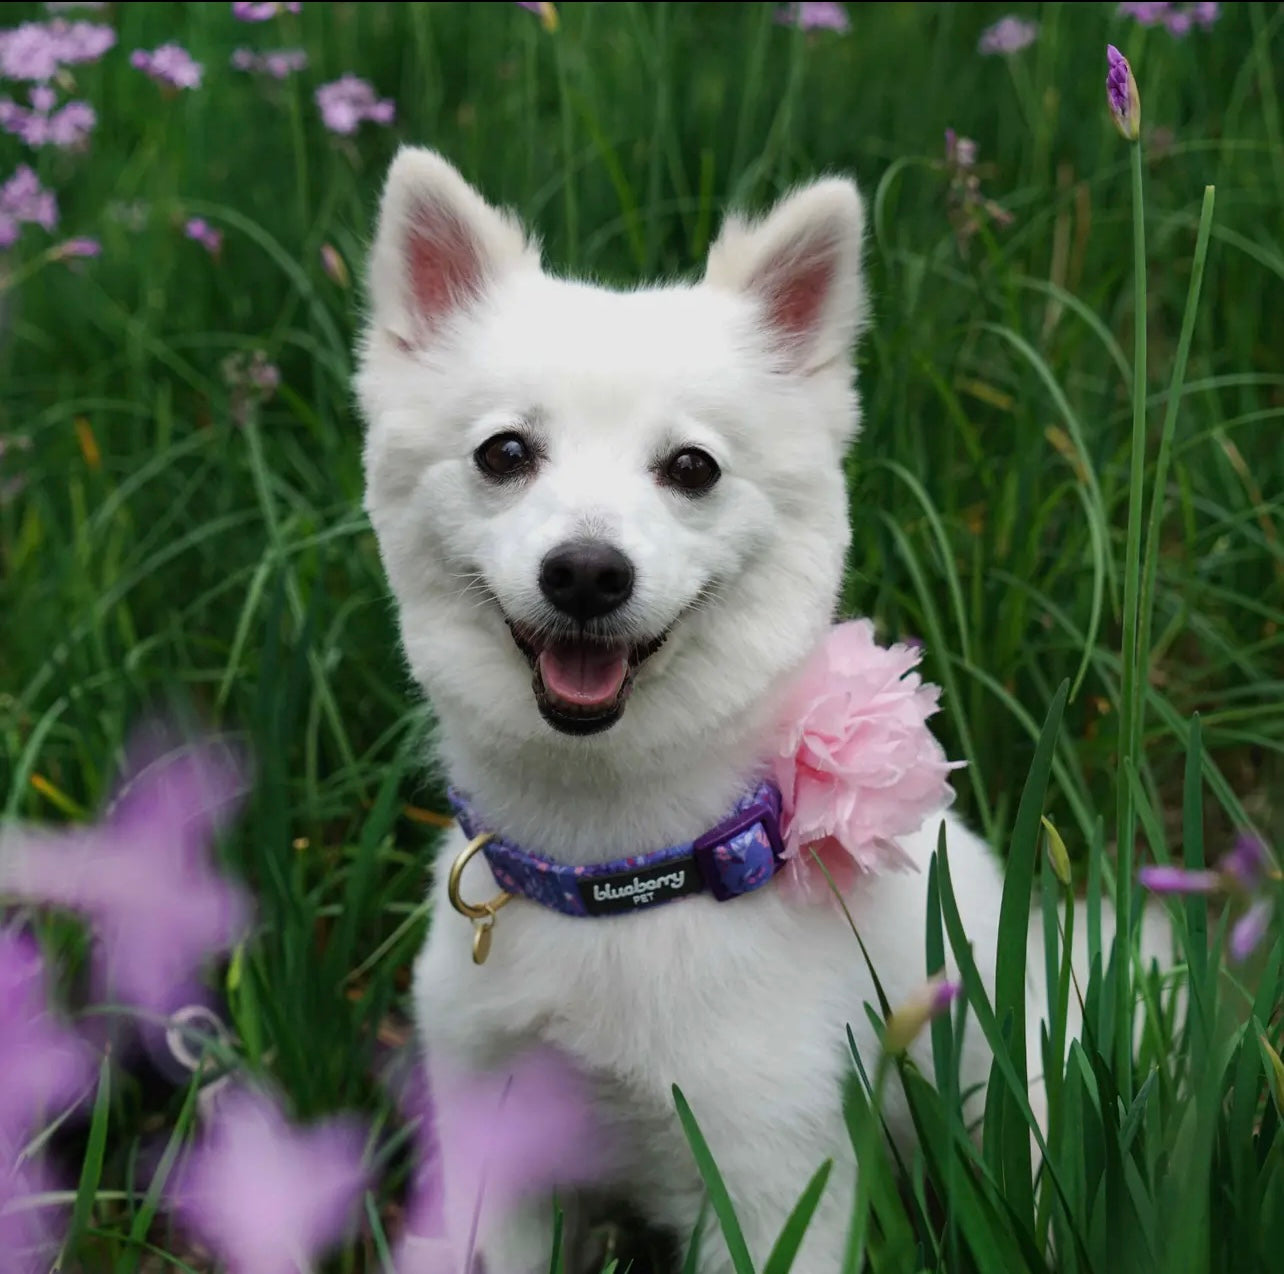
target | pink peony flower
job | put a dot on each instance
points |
(856, 764)
(269, 1198)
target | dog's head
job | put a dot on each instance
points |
(605, 511)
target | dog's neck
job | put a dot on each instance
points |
(582, 806)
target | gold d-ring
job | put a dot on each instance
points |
(473, 911)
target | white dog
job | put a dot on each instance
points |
(615, 524)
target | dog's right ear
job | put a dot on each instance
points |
(438, 248)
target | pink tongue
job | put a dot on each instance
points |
(582, 673)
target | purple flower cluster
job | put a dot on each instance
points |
(969, 207)
(200, 231)
(815, 17)
(1179, 19)
(36, 51)
(262, 12)
(24, 201)
(1245, 872)
(1122, 96)
(42, 124)
(170, 65)
(348, 101)
(259, 1192)
(279, 64)
(250, 382)
(1007, 35)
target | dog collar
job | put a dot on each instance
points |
(737, 856)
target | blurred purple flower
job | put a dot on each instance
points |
(144, 875)
(1245, 870)
(1247, 864)
(78, 248)
(334, 266)
(24, 201)
(28, 1234)
(488, 1140)
(547, 13)
(1177, 880)
(268, 1197)
(279, 64)
(1250, 929)
(200, 230)
(262, 12)
(345, 102)
(43, 1064)
(1179, 19)
(815, 17)
(1122, 96)
(44, 126)
(923, 1006)
(170, 65)
(251, 381)
(969, 207)
(36, 50)
(1007, 35)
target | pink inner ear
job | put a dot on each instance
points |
(444, 262)
(795, 292)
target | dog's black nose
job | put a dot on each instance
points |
(586, 579)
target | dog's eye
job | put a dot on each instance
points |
(503, 456)
(692, 470)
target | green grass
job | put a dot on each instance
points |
(162, 553)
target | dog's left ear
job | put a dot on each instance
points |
(802, 264)
(439, 247)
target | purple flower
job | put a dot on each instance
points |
(171, 65)
(1178, 18)
(906, 1023)
(262, 12)
(78, 248)
(279, 65)
(44, 126)
(36, 50)
(547, 13)
(969, 207)
(43, 1064)
(1177, 880)
(144, 875)
(333, 264)
(23, 200)
(815, 17)
(488, 1140)
(1247, 862)
(28, 1236)
(1007, 35)
(1250, 929)
(269, 1198)
(200, 230)
(345, 102)
(1122, 96)
(251, 381)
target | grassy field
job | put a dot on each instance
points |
(171, 538)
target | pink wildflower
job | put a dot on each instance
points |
(169, 65)
(200, 231)
(344, 103)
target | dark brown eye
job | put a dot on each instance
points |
(504, 456)
(692, 470)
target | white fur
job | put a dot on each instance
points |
(742, 1004)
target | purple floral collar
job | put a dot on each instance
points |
(741, 854)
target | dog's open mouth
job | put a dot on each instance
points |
(581, 683)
